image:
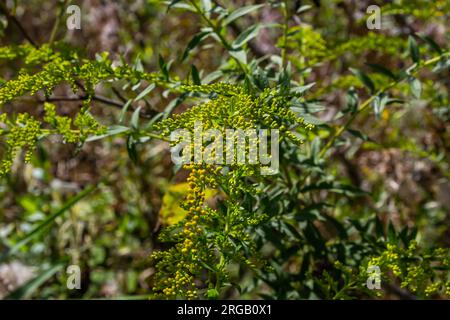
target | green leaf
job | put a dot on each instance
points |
(135, 119)
(171, 4)
(180, 5)
(304, 8)
(239, 55)
(36, 231)
(302, 108)
(212, 293)
(314, 237)
(358, 134)
(433, 45)
(391, 233)
(379, 227)
(260, 79)
(247, 35)
(163, 67)
(336, 187)
(153, 120)
(241, 12)
(194, 42)
(145, 92)
(415, 86)
(352, 101)
(27, 290)
(284, 78)
(382, 70)
(365, 79)
(206, 266)
(124, 110)
(131, 149)
(195, 76)
(379, 103)
(337, 225)
(212, 76)
(302, 89)
(312, 119)
(206, 5)
(413, 49)
(315, 148)
(111, 131)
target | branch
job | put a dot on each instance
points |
(366, 104)
(77, 98)
(33, 43)
(254, 47)
(216, 30)
(13, 19)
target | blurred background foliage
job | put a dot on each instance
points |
(393, 164)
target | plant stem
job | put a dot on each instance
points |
(14, 20)
(285, 33)
(57, 22)
(216, 30)
(155, 136)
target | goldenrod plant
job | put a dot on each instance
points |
(291, 209)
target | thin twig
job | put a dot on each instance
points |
(285, 32)
(95, 97)
(13, 19)
(57, 22)
(216, 30)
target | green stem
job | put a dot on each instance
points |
(285, 32)
(57, 22)
(222, 260)
(155, 136)
(216, 30)
(342, 291)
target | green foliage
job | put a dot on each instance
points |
(25, 131)
(308, 231)
(423, 273)
(22, 133)
(418, 8)
(206, 240)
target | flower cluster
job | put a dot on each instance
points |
(25, 131)
(73, 131)
(60, 67)
(418, 8)
(59, 64)
(22, 133)
(208, 239)
(422, 273)
(178, 267)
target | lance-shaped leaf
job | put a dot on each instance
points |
(413, 49)
(26, 291)
(364, 78)
(241, 12)
(415, 86)
(382, 70)
(47, 222)
(193, 43)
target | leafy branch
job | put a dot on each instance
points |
(367, 103)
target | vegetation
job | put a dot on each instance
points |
(363, 119)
